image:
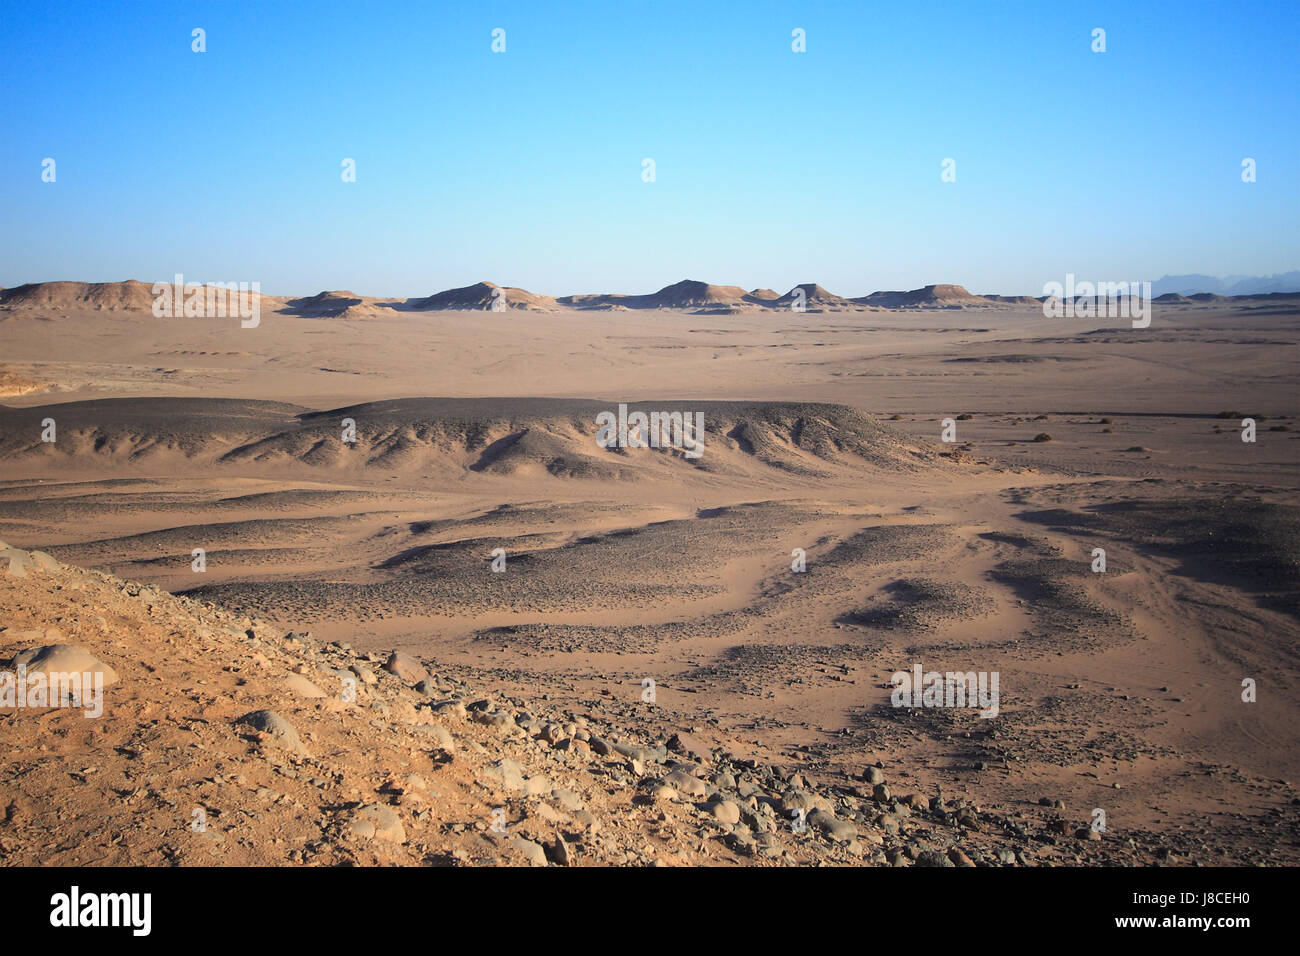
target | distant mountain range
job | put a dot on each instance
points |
(1228, 285)
(689, 295)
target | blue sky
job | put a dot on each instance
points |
(524, 168)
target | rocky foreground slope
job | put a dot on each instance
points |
(226, 741)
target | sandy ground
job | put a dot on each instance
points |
(1120, 691)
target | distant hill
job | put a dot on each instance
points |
(323, 304)
(687, 294)
(1011, 299)
(930, 296)
(814, 296)
(482, 296)
(130, 295)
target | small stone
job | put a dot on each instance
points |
(377, 822)
(453, 707)
(44, 561)
(795, 800)
(532, 852)
(494, 719)
(932, 858)
(17, 561)
(663, 794)
(441, 736)
(567, 799)
(742, 841)
(301, 686)
(560, 852)
(683, 782)
(841, 831)
(405, 668)
(275, 728)
(768, 845)
(724, 811)
(505, 773)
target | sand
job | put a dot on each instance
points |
(476, 431)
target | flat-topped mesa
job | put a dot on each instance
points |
(129, 296)
(931, 296)
(133, 296)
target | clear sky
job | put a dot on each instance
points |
(525, 167)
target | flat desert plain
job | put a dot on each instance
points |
(654, 592)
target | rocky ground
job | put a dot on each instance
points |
(227, 741)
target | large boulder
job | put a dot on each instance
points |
(275, 729)
(63, 659)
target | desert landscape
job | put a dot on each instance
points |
(431, 620)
